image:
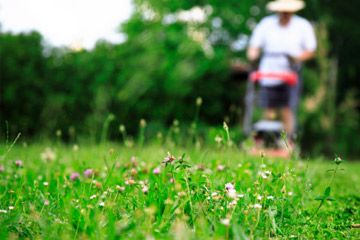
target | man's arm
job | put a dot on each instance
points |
(306, 55)
(253, 54)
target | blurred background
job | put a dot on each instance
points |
(71, 67)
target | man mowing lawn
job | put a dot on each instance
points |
(282, 42)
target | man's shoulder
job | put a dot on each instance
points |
(301, 21)
(269, 19)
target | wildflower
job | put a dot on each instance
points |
(290, 193)
(45, 184)
(229, 186)
(199, 101)
(156, 171)
(101, 204)
(220, 168)
(225, 222)
(225, 126)
(232, 193)
(240, 195)
(218, 139)
(200, 167)
(134, 161)
(58, 133)
(89, 173)
(130, 182)
(159, 135)
(75, 148)
(181, 194)
(169, 158)
(265, 174)
(122, 128)
(11, 207)
(257, 206)
(145, 189)
(93, 196)
(232, 203)
(19, 163)
(98, 184)
(142, 123)
(74, 176)
(48, 155)
(172, 180)
(133, 172)
(3, 211)
(259, 197)
(104, 194)
(338, 160)
(120, 188)
(270, 197)
(46, 202)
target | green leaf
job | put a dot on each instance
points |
(327, 192)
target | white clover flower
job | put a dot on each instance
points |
(11, 207)
(232, 203)
(46, 184)
(181, 194)
(270, 197)
(101, 204)
(3, 211)
(290, 193)
(225, 221)
(259, 197)
(220, 167)
(145, 189)
(232, 193)
(48, 155)
(218, 139)
(240, 195)
(120, 188)
(265, 174)
(257, 206)
(214, 194)
(93, 196)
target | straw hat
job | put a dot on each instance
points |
(285, 5)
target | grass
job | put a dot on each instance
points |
(122, 197)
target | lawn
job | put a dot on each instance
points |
(56, 191)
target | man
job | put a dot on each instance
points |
(282, 42)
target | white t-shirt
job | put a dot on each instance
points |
(277, 41)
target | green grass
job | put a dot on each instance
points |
(187, 200)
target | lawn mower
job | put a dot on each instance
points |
(268, 134)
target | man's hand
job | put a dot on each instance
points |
(253, 54)
(304, 56)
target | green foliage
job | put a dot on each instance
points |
(164, 65)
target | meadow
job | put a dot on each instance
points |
(112, 191)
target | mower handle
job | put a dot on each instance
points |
(289, 78)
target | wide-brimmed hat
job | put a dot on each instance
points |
(285, 5)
